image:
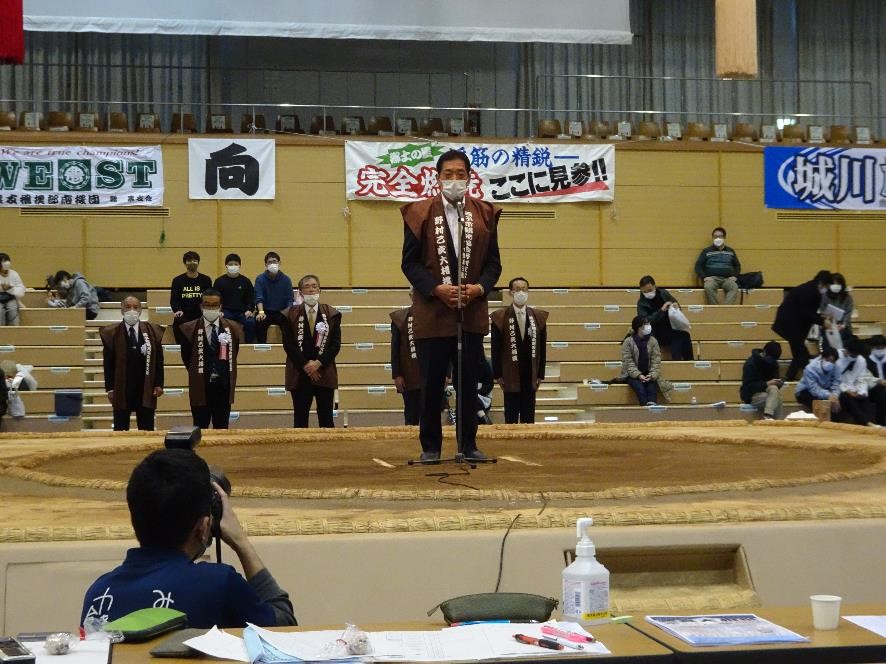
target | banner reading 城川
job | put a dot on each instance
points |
(80, 176)
(825, 178)
(500, 172)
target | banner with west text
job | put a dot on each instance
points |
(240, 169)
(500, 172)
(825, 178)
(80, 176)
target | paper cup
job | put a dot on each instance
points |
(825, 611)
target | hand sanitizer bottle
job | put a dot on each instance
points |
(585, 582)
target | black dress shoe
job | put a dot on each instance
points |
(429, 457)
(475, 454)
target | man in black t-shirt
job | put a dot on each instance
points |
(238, 296)
(186, 291)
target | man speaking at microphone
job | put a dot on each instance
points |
(440, 234)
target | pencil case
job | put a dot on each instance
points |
(517, 607)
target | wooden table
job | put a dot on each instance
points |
(848, 643)
(626, 645)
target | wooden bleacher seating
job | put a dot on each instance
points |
(248, 120)
(289, 124)
(795, 133)
(8, 121)
(549, 128)
(379, 125)
(648, 131)
(322, 124)
(587, 326)
(118, 122)
(697, 131)
(59, 121)
(184, 123)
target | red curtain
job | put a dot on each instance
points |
(12, 33)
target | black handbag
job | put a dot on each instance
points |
(750, 280)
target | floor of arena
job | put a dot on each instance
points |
(71, 486)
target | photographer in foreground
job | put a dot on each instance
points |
(169, 496)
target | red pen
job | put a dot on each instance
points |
(563, 634)
(542, 643)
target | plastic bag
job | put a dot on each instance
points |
(678, 319)
(16, 407)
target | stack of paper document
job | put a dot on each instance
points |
(467, 642)
(725, 629)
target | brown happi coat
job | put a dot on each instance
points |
(432, 317)
(408, 365)
(189, 333)
(116, 342)
(510, 369)
(297, 356)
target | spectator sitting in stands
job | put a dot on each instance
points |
(169, 496)
(760, 384)
(186, 291)
(855, 380)
(4, 395)
(72, 290)
(820, 380)
(238, 296)
(838, 296)
(641, 363)
(718, 267)
(654, 305)
(876, 362)
(12, 290)
(796, 314)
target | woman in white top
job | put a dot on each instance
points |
(12, 290)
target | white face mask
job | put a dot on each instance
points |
(233, 270)
(211, 314)
(131, 317)
(650, 295)
(311, 299)
(5, 265)
(835, 288)
(719, 242)
(646, 330)
(454, 190)
(520, 297)
(273, 268)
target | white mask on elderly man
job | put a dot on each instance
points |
(719, 242)
(311, 299)
(131, 317)
(211, 314)
(835, 288)
(454, 190)
(521, 297)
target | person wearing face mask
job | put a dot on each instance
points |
(74, 291)
(760, 384)
(519, 339)
(796, 314)
(273, 296)
(820, 381)
(837, 307)
(312, 340)
(718, 267)
(209, 348)
(654, 304)
(641, 363)
(187, 290)
(168, 495)
(133, 366)
(439, 234)
(238, 295)
(855, 381)
(12, 290)
(876, 362)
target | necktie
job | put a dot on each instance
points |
(312, 318)
(214, 337)
(521, 321)
(132, 340)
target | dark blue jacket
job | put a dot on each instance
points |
(273, 294)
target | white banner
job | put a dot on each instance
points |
(574, 21)
(500, 172)
(80, 176)
(241, 169)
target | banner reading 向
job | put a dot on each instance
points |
(241, 169)
(825, 178)
(500, 172)
(80, 176)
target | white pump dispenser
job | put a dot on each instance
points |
(585, 582)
